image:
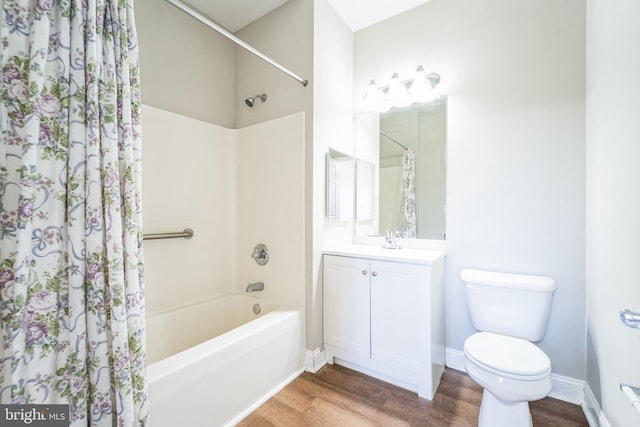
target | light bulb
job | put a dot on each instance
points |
(373, 98)
(397, 94)
(421, 89)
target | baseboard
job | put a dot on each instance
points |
(454, 359)
(568, 389)
(314, 360)
(564, 388)
(592, 410)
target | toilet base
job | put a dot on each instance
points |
(495, 412)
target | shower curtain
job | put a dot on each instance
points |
(408, 195)
(71, 289)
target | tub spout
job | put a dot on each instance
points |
(252, 287)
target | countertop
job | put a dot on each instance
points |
(413, 256)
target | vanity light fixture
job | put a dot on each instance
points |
(401, 93)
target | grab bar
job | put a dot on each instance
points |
(630, 318)
(187, 233)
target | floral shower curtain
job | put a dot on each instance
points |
(71, 289)
(408, 200)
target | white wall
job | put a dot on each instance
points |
(332, 128)
(514, 73)
(613, 203)
(285, 35)
(188, 175)
(169, 39)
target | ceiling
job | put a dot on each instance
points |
(357, 14)
(235, 14)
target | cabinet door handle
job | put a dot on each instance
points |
(364, 272)
(374, 274)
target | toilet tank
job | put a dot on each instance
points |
(517, 305)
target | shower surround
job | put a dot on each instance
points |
(234, 188)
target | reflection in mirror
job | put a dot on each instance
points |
(407, 148)
(340, 186)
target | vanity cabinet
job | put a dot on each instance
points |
(385, 318)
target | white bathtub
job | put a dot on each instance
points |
(211, 364)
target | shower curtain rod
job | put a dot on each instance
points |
(209, 23)
(392, 140)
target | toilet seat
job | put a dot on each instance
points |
(506, 356)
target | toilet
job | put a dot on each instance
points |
(511, 312)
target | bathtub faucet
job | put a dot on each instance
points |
(258, 286)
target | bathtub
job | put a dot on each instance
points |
(212, 363)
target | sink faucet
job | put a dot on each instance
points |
(391, 242)
(252, 287)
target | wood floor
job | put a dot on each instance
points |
(337, 396)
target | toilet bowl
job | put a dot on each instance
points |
(510, 311)
(512, 372)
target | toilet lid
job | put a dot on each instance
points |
(507, 354)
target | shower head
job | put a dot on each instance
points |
(251, 101)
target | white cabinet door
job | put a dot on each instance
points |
(399, 313)
(346, 304)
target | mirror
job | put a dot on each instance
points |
(340, 186)
(365, 199)
(401, 171)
